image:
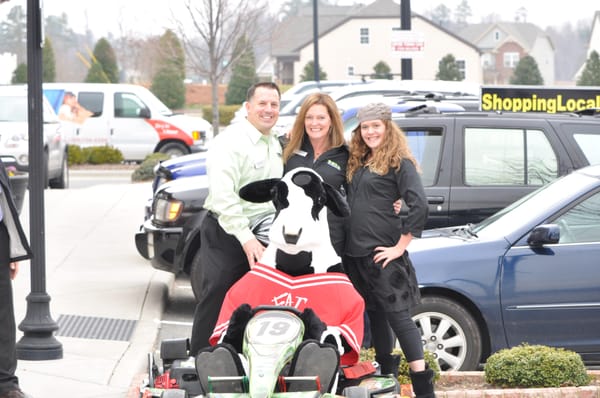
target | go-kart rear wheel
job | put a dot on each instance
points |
(356, 392)
(174, 393)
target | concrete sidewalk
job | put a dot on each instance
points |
(105, 298)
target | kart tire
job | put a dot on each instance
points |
(356, 392)
(174, 393)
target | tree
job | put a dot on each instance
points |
(308, 72)
(527, 72)
(13, 34)
(448, 69)
(462, 13)
(104, 64)
(210, 30)
(382, 71)
(591, 72)
(48, 64)
(168, 83)
(441, 15)
(243, 74)
(20, 74)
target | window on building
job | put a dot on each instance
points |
(364, 35)
(497, 35)
(350, 70)
(511, 60)
(460, 64)
(487, 61)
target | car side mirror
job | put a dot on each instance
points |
(145, 113)
(545, 234)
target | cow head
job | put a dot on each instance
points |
(299, 241)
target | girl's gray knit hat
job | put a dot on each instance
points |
(374, 111)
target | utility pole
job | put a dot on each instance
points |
(38, 341)
(316, 39)
(405, 24)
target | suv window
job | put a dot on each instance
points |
(92, 102)
(582, 222)
(508, 157)
(426, 146)
(590, 146)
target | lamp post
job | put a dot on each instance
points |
(406, 63)
(316, 39)
(38, 342)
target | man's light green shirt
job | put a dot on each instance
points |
(238, 155)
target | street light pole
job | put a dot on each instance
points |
(38, 342)
(406, 63)
(316, 39)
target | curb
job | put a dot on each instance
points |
(559, 392)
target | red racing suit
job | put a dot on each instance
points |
(330, 295)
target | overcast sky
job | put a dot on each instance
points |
(152, 16)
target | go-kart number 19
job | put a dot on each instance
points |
(274, 330)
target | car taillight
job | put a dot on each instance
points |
(167, 210)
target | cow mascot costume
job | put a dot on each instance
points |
(300, 269)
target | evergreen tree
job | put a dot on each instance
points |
(448, 69)
(382, 71)
(308, 72)
(591, 72)
(13, 33)
(168, 82)
(104, 64)
(527, 72)
(243, 73)
(20, 74)
(48, 62)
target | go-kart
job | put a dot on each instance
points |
(273, 339)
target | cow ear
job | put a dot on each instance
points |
(336, 202)
(258, 191)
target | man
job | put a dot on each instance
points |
(13, 248)
(244, 152)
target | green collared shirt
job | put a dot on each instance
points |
(238, 155)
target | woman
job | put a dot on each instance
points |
(380, 169)
(317, 141)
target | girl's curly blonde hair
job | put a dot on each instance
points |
(389, 154)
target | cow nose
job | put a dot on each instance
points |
(291, 238)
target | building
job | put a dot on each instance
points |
(503, 44)
(353, 39)
(594, 42)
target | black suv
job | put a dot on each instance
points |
(473, 164)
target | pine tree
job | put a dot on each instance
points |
(591, 73)
(168, 82)
(243, 74)
(448, 69)
(104, 64)
(309, 72)
(48, 62)
(527, 72)
(20, 74)
(382, 71)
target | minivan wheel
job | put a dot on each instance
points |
(62, 180)
(195, 277)
(450, 332)
(174, 149)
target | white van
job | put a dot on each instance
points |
(128, 117)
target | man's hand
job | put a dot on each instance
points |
(14, 269)
(254, 251)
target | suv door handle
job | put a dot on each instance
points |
(435, 200)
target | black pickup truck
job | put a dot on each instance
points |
(473, 164)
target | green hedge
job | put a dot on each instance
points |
(368, 354)
(226, 113)
(94, 155)
(535, 366)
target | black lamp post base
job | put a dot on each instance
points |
(39, 348)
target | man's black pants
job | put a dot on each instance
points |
(223, 262)
(8, 355)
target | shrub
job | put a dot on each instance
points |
(403, 370)
(145, 171)
(94, 155)
(535, 366)
(226, 113)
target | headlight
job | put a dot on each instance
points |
(167, 210)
